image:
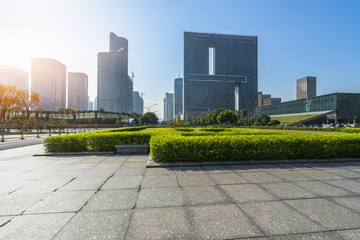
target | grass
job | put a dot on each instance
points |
(295, 118)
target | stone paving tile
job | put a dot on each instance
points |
(227, 178)
(39, 226)
(10, 185)
(44, 185)
(287, 190)
(328, 214)
(343, 173)
(190, 170)
(134, 164)
(319, 175)
(246, 193)
(159, 171)
(112, 200)
(195, 180)
(16, 203)
(126, 172)
(259, 177)
(204, 195)
(352, 203)
(350, 234)
(159, 181)
(292, 176)
(350, 185)
(35, 174)
(216, 169)
(310, 236)
(221, 222)
(83, 184)
(4, 220)
(68, 173)
(275, 218)
(97, 173)
(159, 197)
(323, 189)
(160, 223)
(96, 225)
(61, 202)
(81, 166)
(123, 182)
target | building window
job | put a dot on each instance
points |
(211, 61)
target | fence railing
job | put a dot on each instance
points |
(9, 129)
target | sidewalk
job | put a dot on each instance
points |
(117, 197)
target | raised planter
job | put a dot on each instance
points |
(132, 149)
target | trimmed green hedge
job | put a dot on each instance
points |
(228, 148)
(66, 143)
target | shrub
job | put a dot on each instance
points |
(217, 148)
(66, 143)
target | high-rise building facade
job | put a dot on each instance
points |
(138, 103)
(261, 98)
(78, 91)
(114, 85)
(95, 104)
(90, 105)
(48, 78)
(178, 96)
(220, 71)
(305, 87)
(15, 76)
(168, 107)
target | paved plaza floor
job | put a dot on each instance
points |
(117, 197)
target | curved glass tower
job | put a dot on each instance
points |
(114, 85)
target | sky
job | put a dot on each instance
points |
(296, 38)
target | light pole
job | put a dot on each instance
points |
(148, 108)
(255, 103)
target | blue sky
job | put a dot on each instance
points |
(296, 38)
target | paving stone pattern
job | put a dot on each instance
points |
(117, 197)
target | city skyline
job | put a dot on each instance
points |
(296, 39)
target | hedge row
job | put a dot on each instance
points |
(218, 148)
(321, 129)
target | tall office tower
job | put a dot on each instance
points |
(305, 87)
(90, 105)
(220, 71)
(114, 84)
(77, 91)
(95, 104)
(14, 76)
(48, 78)
(178, 96)
(261, 98)
(168, 107)
(271, 101)
(138, 103)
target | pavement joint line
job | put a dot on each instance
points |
(2, 225)
(187, 213)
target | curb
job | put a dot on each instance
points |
(53, 154)
(152, 164)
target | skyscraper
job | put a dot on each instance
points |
(114, 85)
(168, 107)
(305, 87)
(95, 104)
(48, 78)
(220, 71)
(77, 91)
(178, 96)
(14, 76)
(138, 102)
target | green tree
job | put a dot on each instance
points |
(227, 117)
(214, 114)
(243, 113)
(187, 120)
(274, 122)
(178, 120)
(263, 119)
(149, 118)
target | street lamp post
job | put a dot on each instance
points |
(148, 108)
(255, 103)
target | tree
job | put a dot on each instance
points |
(178, 120)
(149, 118)
(214, 114)
(8, 99)
(274, 122)
(28, 101)
(227, 117)
(187, 122)
(243, 113)
(263, 119)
